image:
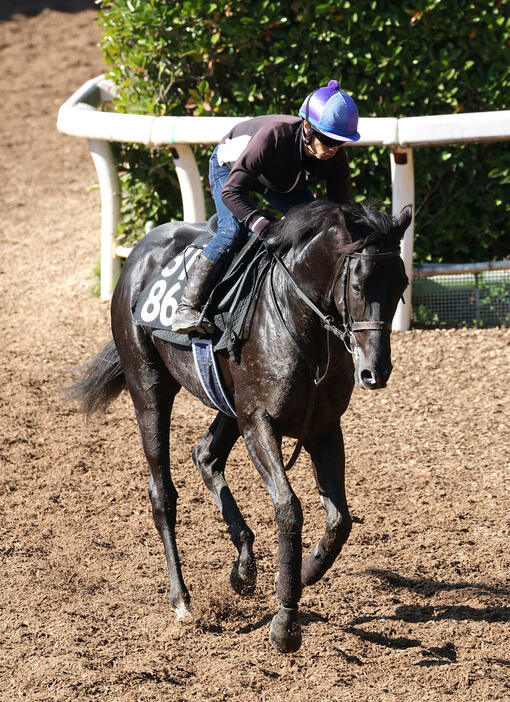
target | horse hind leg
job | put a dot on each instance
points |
(210, 457)
(152, 391)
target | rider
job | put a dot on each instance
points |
(276, 156)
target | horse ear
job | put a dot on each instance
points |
(403, 220)
(345, 221)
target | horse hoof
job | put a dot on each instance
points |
(182, 611)
(285, 632)
(244, 585)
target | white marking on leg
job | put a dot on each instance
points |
(182, 612)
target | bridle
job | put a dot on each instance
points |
(350, 325)
(346, 330)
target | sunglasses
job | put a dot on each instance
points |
(327, 141)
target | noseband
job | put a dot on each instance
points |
(350, 325)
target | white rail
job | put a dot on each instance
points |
(429, 270)
(79, 116)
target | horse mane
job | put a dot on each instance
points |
(366, 225)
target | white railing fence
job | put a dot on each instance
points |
(80, 116)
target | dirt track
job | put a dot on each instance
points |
(417, 607)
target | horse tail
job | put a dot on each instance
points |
(101, 382)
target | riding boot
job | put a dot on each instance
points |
(188, 315)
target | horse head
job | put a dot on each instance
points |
(369, 285)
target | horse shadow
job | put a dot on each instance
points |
(442, 655)
(428, 586)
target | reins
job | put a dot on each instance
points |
(327, 320)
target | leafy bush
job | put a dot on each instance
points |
(201, 57)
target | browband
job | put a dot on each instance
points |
(382, 254)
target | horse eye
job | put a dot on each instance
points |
(356, 288)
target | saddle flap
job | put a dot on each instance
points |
(228, 301)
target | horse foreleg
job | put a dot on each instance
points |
(210, 456)
(264, 448)
(328, 457)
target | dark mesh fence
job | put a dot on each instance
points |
(462, 300)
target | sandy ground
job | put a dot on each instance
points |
(416, 608)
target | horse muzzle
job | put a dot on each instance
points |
(368, 379)
(371, 372)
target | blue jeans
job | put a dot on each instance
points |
(231, 234)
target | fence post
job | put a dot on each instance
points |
(106, 170)
(193, 204)
(402, 184)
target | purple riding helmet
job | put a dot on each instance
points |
(331, 112)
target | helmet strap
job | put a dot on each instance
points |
(308, 137)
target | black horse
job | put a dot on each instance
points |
(321, 321)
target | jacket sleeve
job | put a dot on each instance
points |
(243, 180)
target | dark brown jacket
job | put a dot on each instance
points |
(265, 154)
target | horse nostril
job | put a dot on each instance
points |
(373, 380)
(367, 377)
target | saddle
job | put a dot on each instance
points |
(229, 301)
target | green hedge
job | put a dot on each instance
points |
(199, 57)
